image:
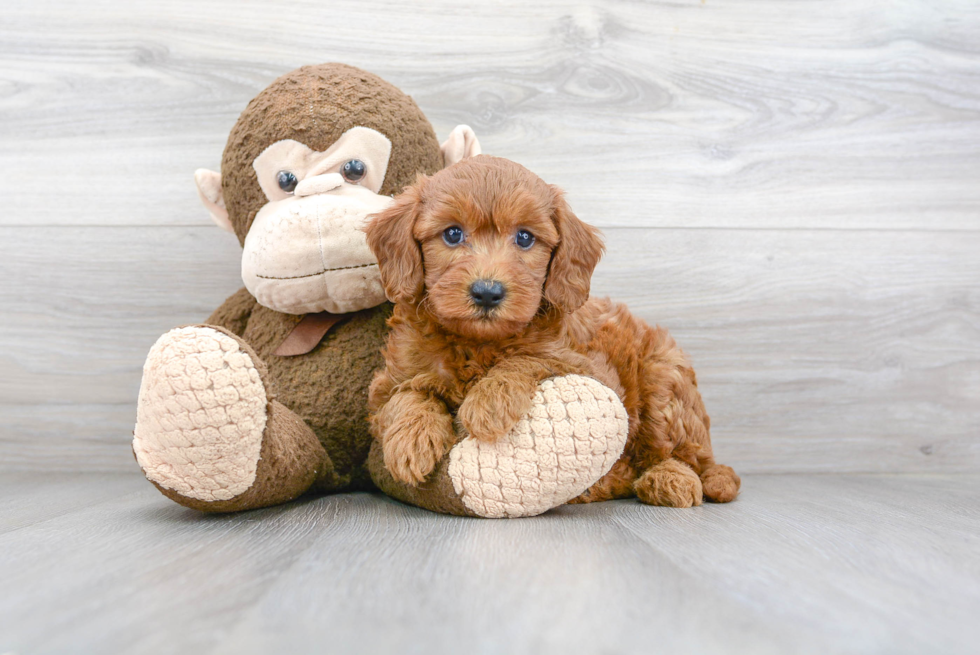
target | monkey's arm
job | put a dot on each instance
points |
(519, 474)
(233, 314)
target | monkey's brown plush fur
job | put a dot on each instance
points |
(326, 388)
(456, 351)
(317, 435)
(316, 105)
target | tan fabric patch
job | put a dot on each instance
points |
(201, 415)
(573, 435)
(370, 146)
(209, 191)
(462, 143)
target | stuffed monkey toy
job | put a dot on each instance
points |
(267, 400)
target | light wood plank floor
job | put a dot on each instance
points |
(853, 564)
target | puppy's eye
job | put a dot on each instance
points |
(453, 236)
(353, 171)
(524, 239)
(287, 181)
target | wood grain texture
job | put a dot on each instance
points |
(29, 498)
(791, 188)
(804, 564)
(741, 113)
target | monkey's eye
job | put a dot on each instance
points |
(524, 239)
(287, 181)
(353, 171)
(453, 236)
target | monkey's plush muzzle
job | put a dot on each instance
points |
(308, 253)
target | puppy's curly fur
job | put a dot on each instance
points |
(454, 352)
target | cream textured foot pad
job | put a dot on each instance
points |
(201, 415)
(573, 435)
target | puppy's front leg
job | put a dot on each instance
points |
(496, 403)
(416, 431)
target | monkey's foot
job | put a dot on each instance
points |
(574, 433)
(206, 432)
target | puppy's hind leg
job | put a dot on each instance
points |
(670, 483)
(720, 482)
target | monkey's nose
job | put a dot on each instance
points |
(487, 293)
(318, 184)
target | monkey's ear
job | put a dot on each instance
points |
(391, 239)
(462, 143)
(209, 190)
(574, 258)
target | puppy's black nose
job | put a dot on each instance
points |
(487, 293)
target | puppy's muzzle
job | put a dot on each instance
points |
(487, 294)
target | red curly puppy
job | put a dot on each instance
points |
(489, 271)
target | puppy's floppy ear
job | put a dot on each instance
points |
(390, 237)
(575, 257)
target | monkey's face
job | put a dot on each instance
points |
(306, 250)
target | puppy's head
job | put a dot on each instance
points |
(484, 244)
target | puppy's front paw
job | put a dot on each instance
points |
(413, 448)
(490, 410)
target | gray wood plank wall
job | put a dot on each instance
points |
(792, 188)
